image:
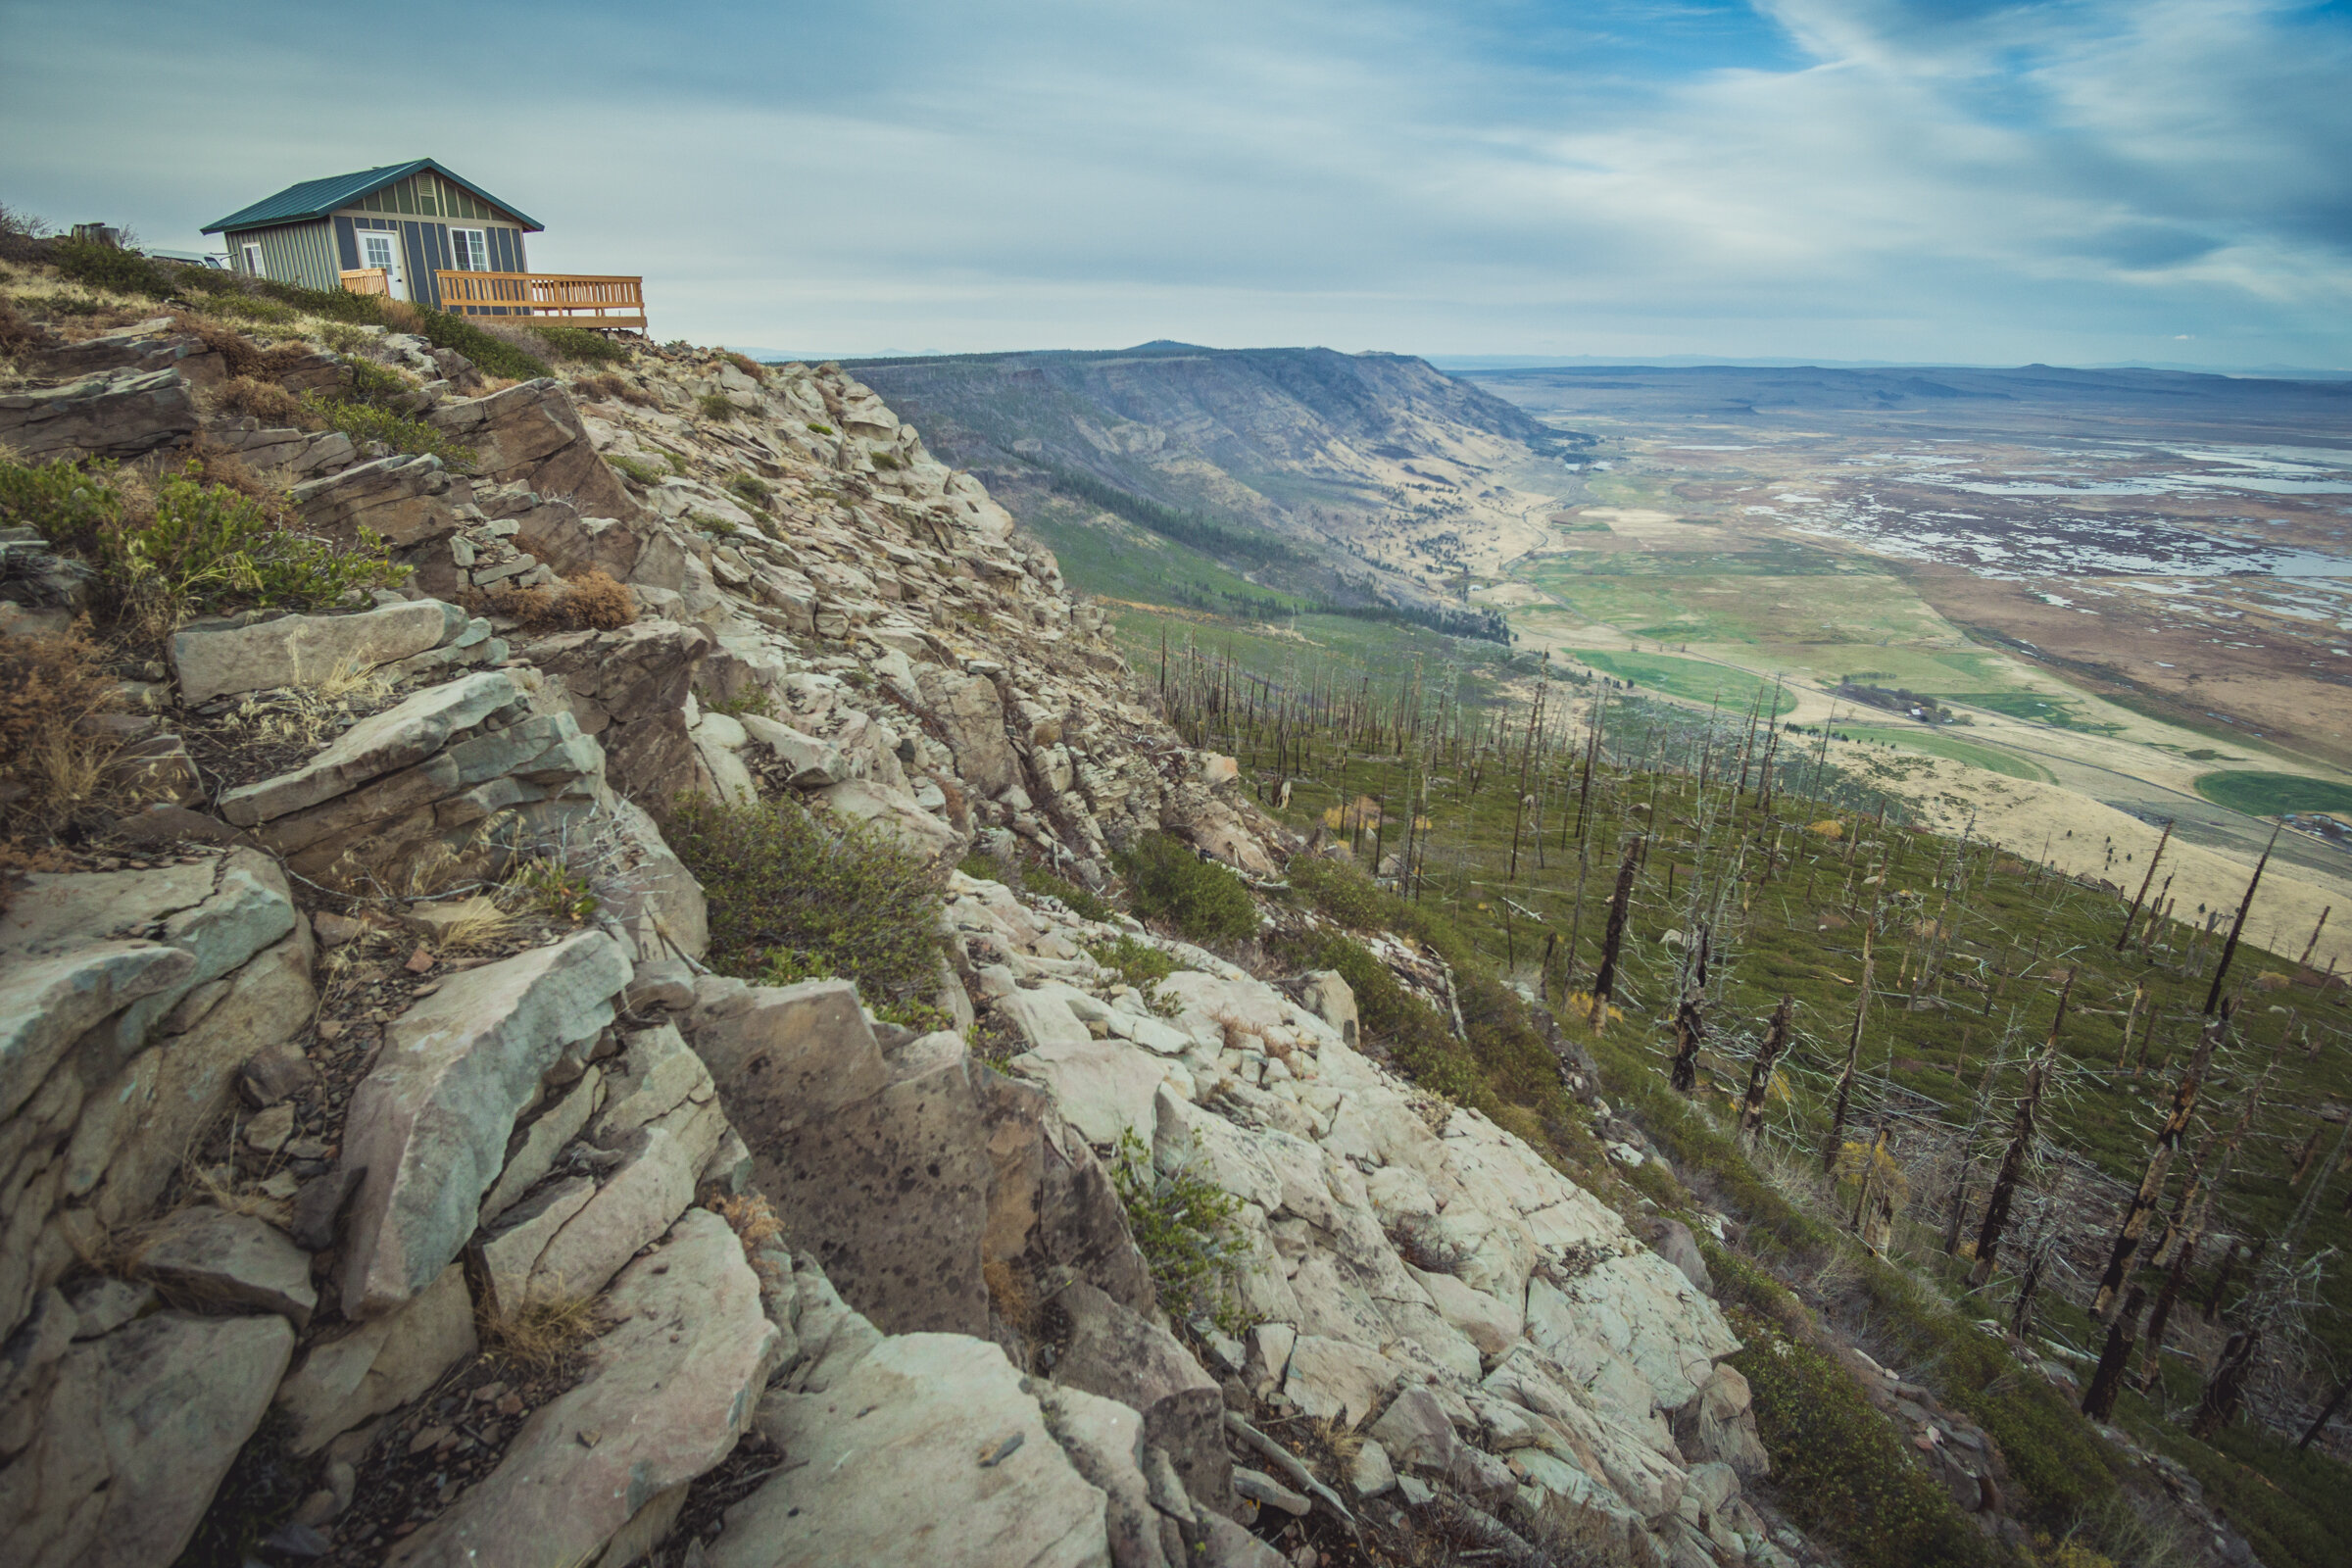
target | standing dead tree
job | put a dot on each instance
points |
(1690, 1017)
(2021, 1142)
(2238, 927)
(2125, 936)
(2122, 1254)
(1604, 981)
(1760, 1075)
(2098, 1402)
(1834, 1141)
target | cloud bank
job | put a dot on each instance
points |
(2075, 181)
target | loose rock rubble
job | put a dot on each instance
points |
(739, 1219)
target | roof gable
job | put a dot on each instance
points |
(316, 198)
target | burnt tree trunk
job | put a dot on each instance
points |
(1759, 1076)
(1834, 1139)
(2151, 1359)
(2029, 1288)
(2226, 1387)
(2238, 927)
(2021, 1140)
(1605, 982)
(2144, 883)
(2108, 1381)
(2123, 1255)
(1689, 1020)
(2327, 1413)
(2221, 1280)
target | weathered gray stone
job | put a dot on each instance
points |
(628, 689)
(1676, 1245)
(1104, 1087)
(535, 1156)
(894, 813)
(207, 1258)
(1369, 1473)
(1122, 1355)
(430, 1123)
(139, 1426)
(305, 650)
(928, 1450)
(403, 500)
(1263, 1490)
(532, 434)
(1332, 1379)
(379, 1365)
(970, 710)
(669, 1391)
(812, 764)
(120, 413)
(1104, 1440)
(47, 1001)
(781, 1054)
(398, 737)
(1717, 1425)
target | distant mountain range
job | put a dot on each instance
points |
(1537, 361)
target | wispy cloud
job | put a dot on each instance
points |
(1854, 178)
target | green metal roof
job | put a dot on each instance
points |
(316, 198)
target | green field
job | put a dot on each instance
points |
(2031, 706)
(1103, 555)
(1953, 746)
(1691, 680)
(2273, 794)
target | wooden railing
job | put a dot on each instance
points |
(368, 281)
(603, 304)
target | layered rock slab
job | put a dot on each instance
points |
(429, 1124)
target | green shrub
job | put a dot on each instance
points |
(110, 267)
(752, 490)
(747, 365)
(554, 889)
(1840, 1468)
(821, 429)
(750, 699)
(578, 344)
(1083, 902)
(795, 898)
(715, 405)
(327, 304)
(1183, 1225)
(371, 422)
(206, 548)
(636, 469)
(72, 504)
(249, 307)
(724, 527)
(493, 356)
(1137, 964)
(1415, 1035)
(887, 462)
(1201, 898)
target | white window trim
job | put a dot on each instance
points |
(464, 257)
(253, 261)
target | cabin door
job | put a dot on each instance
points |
(380, 249)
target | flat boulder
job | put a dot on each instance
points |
(1121, 1354)
(304, 650)
(120, 413)
(136, 1430)
(668, 1391)
(532, 434)
(209, 1257)
(430, 1125)
(399, 737)
(403, 501)
(930, 1449)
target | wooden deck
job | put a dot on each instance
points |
(598, 303)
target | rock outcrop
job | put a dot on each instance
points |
(548, 1244)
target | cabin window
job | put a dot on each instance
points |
(472, 247)
(253, 261)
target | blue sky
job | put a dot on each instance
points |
(2080, 181)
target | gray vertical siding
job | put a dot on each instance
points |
(291, 253)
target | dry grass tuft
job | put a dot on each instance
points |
(264, 400)
(614, 387)
(53, 766)
(542, 1334)
(592, 601)
(1009, 1294)
(240, 356)
(748, 1215)
(480, 924)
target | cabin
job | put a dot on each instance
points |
(416, 232)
